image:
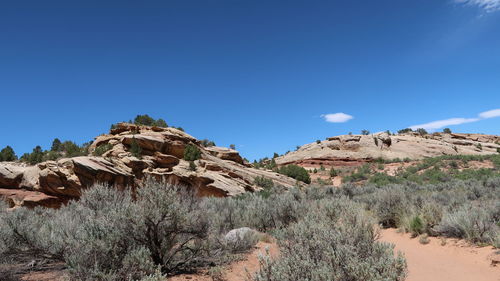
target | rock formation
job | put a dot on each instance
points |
(353, 150)
(218, 172)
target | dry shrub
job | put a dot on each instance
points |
(335, 241)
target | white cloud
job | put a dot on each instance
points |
(431, 126)
(337, 117)
(487, 5)
(490, 114)
(443, 123)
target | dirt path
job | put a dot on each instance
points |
(454, 261)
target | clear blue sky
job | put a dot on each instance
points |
(260, 74)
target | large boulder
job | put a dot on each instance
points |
(237, 235)
(225, 154)
(11, 175)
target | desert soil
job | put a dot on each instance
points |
(456, 260)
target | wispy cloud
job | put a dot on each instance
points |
(487, 5)
(337, 117)
(443, 123)
(490, 114)
(434, 125)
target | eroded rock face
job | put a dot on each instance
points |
(346, 150)
(219, 172)
(10, 175)
(225, 154)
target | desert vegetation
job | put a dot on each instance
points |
(296, 172)
(323, 233)
(430, 170)
(164, 230)
(7, 154)
(58, 150)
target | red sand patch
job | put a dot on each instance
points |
(455, 261)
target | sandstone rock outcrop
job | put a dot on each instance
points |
(350, 150)
(219, 171)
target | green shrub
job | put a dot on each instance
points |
(333, 173)
(403, 131)
(34, 157)
(362, 173)
(192, 166)
(191, 152)
(56, 145)
(71, 149)
(416, 226)
(264, 182)
(295, 172)
(447, 130)
(422, 131)
(135, 149)
(7, 154)
(207, 143)
(103, 148)
(149, 121)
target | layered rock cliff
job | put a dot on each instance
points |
(219, 171)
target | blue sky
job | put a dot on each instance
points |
(264, 75)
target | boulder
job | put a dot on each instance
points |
(11, 175)
(225, 154)
(165, 160)
(236, 235)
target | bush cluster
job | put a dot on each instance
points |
(7, 154)
(264, 182)
(467, 209)
(149, 121)
(191, 152)
(163, 230)
(266, 163)
(430, 170)
(101, 149)
(335, 241)
(296, 172)
(58, 150)
(116, 235)
(323, 233)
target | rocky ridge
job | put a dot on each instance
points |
(219, 171)
(353, 150)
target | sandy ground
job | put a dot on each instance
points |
(455, 261)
